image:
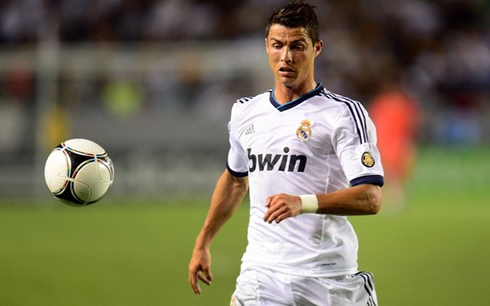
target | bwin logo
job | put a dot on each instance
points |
(269, 161)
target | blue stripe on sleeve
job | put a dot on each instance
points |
(369, 179)
(234, 173)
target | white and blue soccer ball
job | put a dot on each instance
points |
(79, 172)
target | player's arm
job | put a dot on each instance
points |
(227, 196)
(364, 199)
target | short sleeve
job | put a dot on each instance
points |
(354, 139)
(237, 161)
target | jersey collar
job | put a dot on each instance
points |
(282, 107)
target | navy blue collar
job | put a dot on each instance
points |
(282, 107)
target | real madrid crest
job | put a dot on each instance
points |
(303, 133)
(367, 159)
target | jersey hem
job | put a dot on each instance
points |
(296, 272)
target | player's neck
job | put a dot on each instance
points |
(284, 93)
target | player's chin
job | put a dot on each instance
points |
(287, 82)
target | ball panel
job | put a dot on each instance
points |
(92, 181)
(106, 172)
(66, 196)
(57, 170)
(82, 191)
(83, 146)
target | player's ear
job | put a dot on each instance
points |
(318, 47)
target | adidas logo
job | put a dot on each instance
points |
(250, 130)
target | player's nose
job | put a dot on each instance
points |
(286, 55)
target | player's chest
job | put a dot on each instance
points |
(275, 131)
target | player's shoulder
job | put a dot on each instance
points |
(339, 99)
(251, 99)
(343, 104)
(245, 103)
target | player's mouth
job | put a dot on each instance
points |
(286, 71)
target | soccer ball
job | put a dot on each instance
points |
(78, 172)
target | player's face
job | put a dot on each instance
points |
(291, 56)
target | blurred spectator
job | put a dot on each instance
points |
(19, 82)
(122, 97)
(396, 116)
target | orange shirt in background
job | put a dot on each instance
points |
(396, 117)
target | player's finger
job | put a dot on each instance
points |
(269, 213)
(193, 282)
(269, 204)
(276, 214)
(268, 201)
(282, 216)
(205, 277)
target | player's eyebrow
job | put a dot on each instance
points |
(299, 40)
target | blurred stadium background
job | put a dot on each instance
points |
(153, 83)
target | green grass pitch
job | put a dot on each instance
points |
(433, 252)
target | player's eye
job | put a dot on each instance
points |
(297, 47)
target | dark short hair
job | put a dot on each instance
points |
(296, 14)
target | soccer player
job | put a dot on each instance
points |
(308, 158)
(396, 115)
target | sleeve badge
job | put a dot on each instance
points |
(367, 160)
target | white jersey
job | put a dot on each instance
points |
(318, 143)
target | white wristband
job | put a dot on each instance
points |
(309, 203)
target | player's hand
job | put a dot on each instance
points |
(281, 206)
(200, 269)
